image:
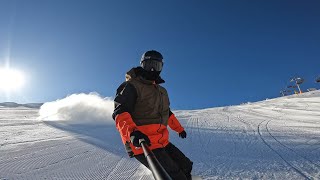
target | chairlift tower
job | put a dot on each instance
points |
(282, 93)
(298, 81)
(285, 92)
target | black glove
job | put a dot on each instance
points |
(136, 135)
(183, 134)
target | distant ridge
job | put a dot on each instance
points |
(28, 105)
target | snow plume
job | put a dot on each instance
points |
(79, 108)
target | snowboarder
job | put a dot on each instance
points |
(142, 112)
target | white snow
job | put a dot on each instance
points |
(75, 138)
(79, 108)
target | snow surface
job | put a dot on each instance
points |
(75, 138)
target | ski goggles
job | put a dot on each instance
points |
(152, 65)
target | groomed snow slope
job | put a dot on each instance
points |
(272, 139)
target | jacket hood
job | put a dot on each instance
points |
(137, 72)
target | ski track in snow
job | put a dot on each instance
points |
(272, 139)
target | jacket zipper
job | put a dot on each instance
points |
(160, 110)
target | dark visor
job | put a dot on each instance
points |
(152, 65)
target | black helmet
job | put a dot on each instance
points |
(152, 61)
(152, 55)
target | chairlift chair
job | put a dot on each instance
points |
(292, 86)
(299, 80)
(311, 89)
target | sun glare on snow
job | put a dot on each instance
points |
(11, 79)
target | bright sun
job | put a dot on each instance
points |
(11, 79)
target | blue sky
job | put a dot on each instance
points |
(216, 53)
